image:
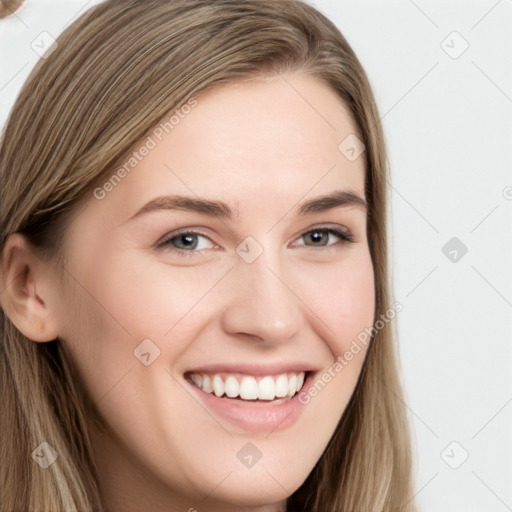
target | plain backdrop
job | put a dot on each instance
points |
(441, 74)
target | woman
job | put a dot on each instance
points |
(195, 305)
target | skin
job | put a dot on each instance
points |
(262, 148)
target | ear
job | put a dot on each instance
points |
(25, 283)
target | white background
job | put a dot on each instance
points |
(448, 126)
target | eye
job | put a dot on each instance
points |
(190, 243)
(320, 237)
(184, 243)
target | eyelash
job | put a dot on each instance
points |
(166, 241)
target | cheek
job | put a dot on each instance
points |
(342, 296)
(153, 298)
(354, 307)
(126, 301)
(345, 303)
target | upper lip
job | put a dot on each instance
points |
(270, 368)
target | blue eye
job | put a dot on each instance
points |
(187, 243)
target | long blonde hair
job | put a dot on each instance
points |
(116, 72)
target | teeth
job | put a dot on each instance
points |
(266, 389)
(300, 381)
(232, 387)
(281, 386)
(197, 380)
(292, 385)
(206, 384)
(218, 385)
(249, 387)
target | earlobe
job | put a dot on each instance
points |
(24, 284)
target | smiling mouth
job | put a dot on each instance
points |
(250, 388)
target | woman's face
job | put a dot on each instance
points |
(258, 292)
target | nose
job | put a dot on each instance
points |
(261, 303)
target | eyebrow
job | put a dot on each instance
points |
(219, 209)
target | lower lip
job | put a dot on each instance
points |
(256, 416)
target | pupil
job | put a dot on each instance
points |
(187, 240)
(317, 236)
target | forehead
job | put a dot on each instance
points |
(245, 142)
